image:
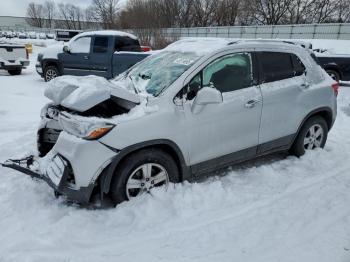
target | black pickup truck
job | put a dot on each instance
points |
(101, 53)
(337, 66)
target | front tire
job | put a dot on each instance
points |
(50, 73)
(140, 172)
(312, 135)
(15, 72)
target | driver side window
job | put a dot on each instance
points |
(81, 45)
(227, 74)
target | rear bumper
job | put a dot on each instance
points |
(14, 65)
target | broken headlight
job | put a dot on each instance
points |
(84, 129)
(49, 111)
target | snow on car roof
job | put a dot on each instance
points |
(107, 32)
(198, 45)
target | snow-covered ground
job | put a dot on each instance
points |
(273, 209)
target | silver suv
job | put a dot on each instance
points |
(197, 106)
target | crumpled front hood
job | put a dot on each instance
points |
(80, 93)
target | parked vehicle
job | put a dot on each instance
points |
(9, 35)
(42, 36)
(66, 35)
(32, 35)
(195, 107)
(13, 58)
(101, 53)
(336, 65)
(22, 35)
(50, 36)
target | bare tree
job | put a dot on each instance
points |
(106, 11)
(35, 15)
(49, 12)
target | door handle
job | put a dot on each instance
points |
(86, 57)
(252, 103)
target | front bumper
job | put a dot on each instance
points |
(71, 168)
(39, 69)
(62, 176)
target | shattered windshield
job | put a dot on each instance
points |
(159, 71)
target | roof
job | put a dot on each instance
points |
(108, 33)
(203, 46)
(198, 45)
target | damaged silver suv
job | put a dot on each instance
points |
(197, 106)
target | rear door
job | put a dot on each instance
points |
(283, 83)
(76, 62)
(101, 56)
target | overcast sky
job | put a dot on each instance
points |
(19, 7)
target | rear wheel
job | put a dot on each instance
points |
(141, 172)
(333, 74)
(312, 135)
(50, 73)
(15, 72)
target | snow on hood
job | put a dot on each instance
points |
(52, 51)
(81, 93)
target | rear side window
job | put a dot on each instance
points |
(126, 44)
(276, 66)
(299, 67)
(100, 44)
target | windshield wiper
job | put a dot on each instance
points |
(133, 84)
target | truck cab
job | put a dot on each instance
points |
(100, 53)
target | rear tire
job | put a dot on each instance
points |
(312, 135)
(333, 74)
(15, 72)
(130, 172)
(50, 73)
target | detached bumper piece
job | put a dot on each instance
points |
(58, 176)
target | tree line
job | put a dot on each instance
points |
(150, 14)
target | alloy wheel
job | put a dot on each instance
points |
(146, 177)
(50, 74)
(314, 137)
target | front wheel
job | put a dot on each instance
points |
(312, 135)
(141, 172)
(50, 73)
(15, 72)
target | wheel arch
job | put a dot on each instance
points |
(166, 145)
(325, 112)
(52, 62)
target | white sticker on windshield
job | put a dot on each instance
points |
(183, 61)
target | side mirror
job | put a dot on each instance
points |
(206, 96)
(66, 49)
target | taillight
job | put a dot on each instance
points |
(27, 53)
(146, 48)
(335, 88)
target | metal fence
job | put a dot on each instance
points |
(304, 31)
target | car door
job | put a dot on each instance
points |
(76, 61)
(224, 132)
(283, 82)
(101, 56)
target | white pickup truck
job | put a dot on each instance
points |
(13, 58)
